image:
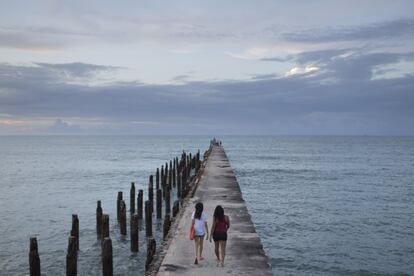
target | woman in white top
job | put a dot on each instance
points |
(199, 222)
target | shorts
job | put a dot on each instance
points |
(199, 236)
(220, 237)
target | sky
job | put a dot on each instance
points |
(207, 67)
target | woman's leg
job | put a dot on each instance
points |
(200, 257)
(223, 251)
(196, 245)
(216, 250)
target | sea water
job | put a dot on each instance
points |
(322, 205)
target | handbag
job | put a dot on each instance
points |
(192, 232)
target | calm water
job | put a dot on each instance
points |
(322, 205)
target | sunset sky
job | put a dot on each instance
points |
(207, 67)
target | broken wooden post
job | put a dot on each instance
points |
(178, 185)
(105, 226)
(71, 257)
(151, 249)
(134, 233)
(151, 192)
(159, 204)
(183, 184)
(75, 229)
(132, 198)
(140, 200)
(176, 208)
(170, 175)
(122, 218)
(99, 219)
(34, 260)
(166, 226)
(163, 181)
(167, 200)
(174, 171)
(148, 218)
(118, 202)
(107, 264)
(157, 179)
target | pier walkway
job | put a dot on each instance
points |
(244, 254)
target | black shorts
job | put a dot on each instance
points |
(220, 237)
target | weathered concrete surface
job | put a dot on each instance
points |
(245, 255)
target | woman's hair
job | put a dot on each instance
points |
(219, 212)
(198, 210)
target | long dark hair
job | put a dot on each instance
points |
(198, 210)
(219, 212)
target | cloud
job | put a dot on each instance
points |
(78, 69)
(353, 103)
(47, 74)
(181, 78)
(39, 37)
(62, 127)
(344, 64)
(382, 30)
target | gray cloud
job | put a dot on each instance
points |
(382, 30)
(42, 38)
(78, 69)
(351, 104)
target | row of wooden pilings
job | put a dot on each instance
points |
(175, 175)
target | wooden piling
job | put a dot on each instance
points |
(99, 219)
(122, 218)
(71, 258)
(166, 226)
(134, 233)
(107, 263)
(105, 226)
(183, 183)
(163, 181)
(159, 204)
(174, 170)
(176, 208)
(132, 198)
(151, 191)
(170, 178)
(167, 201)
(140, 200)
(34, 260)
(178, 185)
(151, 250)
(118, 202)
(148, 219)
(157, 179)
(75, 229)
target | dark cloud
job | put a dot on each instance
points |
(382, 30)
(341, 98)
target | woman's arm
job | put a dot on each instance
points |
(205, 223)
(226, 218)
(213, 226)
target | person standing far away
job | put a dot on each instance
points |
(221, 223)
(199, 221)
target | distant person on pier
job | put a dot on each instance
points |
(221, 223)
(199, 222)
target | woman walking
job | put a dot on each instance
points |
(199, 223)
(221, 224)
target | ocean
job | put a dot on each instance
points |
(322, 205)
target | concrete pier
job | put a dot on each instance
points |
(244, 254)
